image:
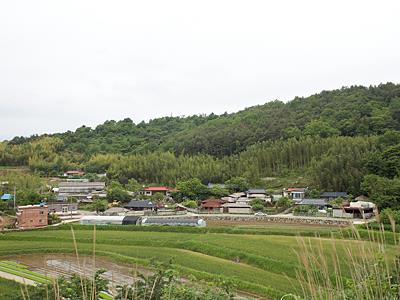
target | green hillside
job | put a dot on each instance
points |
(334, 140)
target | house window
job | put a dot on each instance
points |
(65, 209)
(40, 220)
(42, 212)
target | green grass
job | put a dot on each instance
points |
(267, 259)
(8, 289)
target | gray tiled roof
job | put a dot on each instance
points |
(318, 202)
(139, 204)
(334, 194)
(256, 191)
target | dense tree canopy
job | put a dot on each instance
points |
(333, 139)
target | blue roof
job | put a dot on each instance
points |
(6, 197)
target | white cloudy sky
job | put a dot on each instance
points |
(68, 63)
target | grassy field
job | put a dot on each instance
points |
(8, 289)
(259, 259)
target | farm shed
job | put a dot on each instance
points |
(110, 220)
(63, 208)
(131, 220)
(140, 205)
(237, 208)
(102, 220)
(115, 211)
(174, 222)
(83, 191)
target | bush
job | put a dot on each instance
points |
(190, 204)
(388, 213)
(305, 210)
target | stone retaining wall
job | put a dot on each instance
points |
(277, 219)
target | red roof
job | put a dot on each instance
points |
(212, 203)
(157, 189)
(75, 172)
(295, 189)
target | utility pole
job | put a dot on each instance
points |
(14, 195)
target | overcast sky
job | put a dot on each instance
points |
(68, 63)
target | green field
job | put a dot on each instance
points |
(260, 259)
(8, 289)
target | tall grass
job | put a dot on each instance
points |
(366, 271)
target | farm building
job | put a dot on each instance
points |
(236, 208)
(110, 220)
(140, 205)
(150, 191)
(63, 208)
(31, 216)
(81, 190)
(115, 211)
(174, 222)
(137, 220)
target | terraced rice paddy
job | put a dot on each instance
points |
(259, 260)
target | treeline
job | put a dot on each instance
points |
(335, 163)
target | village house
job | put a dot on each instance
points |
(234, 197)
(150, 191)
(32, 216)
(236, 208)
(212, 205)
(63, 209)
(252, 194)
(296, 194)
(256, 193)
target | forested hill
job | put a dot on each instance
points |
(353, 111)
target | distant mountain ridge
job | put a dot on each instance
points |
(349, 111)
